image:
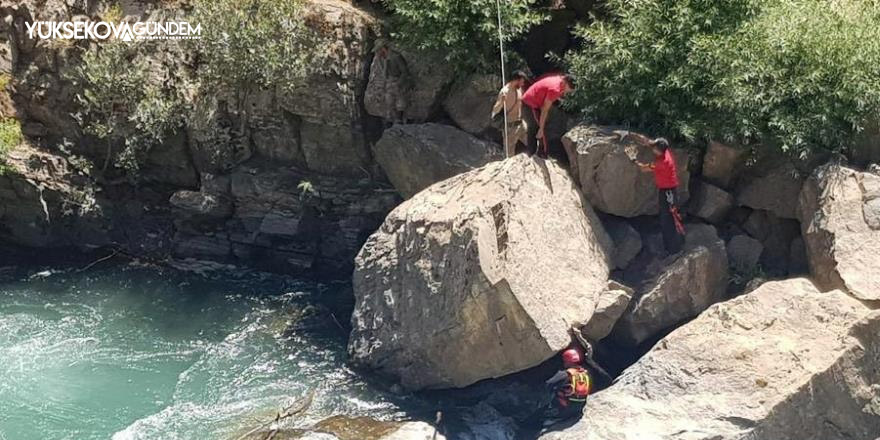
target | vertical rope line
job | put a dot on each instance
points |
(503, 78)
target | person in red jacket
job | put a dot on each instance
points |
(666, 179)
(538, 100)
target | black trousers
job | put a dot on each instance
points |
(673, 239)
(528, 115)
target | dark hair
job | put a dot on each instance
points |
(519, 74)
(569, 80)
(661, 144)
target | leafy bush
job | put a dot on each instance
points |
(253, 43)
(466, 31)
(10, 137)
(136, 94)
(130, 106)
(793, 75)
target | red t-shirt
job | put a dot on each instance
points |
(664, 171)
(549, 87)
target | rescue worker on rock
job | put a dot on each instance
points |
(539, 100)
(510, 99)
(396, 83)
(666, 178)
(570, 388)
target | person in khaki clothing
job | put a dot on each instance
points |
(397, 82)
(510, 98)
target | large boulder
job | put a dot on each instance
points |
(782, 362)
(744, 253)
(688, 285)
(710, 203)
(470, 102)
(775, 191)
(603, 167)
(419, 155)
(842, 247)
(627, 241)
(721, 163)
(478, 276)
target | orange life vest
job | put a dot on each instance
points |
(578, 387)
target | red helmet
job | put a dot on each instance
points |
(571, 356)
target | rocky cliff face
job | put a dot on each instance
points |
(300, 192)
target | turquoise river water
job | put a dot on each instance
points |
(135, 353)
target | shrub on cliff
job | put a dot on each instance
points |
(466, 31)
(253, 43)
(128, 106)
(794, 75)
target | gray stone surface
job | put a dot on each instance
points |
(611, 306)
(776, 191)
(416, 156)
(603, 167)
(470, 102)
(843, 249)
(710, 203)
(783, 362)
(744, 253)
(626, 239)
(721, 163)
(456, 285)
(691, 282)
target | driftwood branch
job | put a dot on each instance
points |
(100, 260)
(296, 408)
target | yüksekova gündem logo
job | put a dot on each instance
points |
(102, 30)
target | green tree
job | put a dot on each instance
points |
(792, 75)
(466, 31)
(124, 102)
(249, 44)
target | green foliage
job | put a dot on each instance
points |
(466, 31)
(10, 137)
(124, 101)
(791, 74)
(253, 43)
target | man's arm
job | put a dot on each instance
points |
(545, 110)
(644, 167)
(554, 381)
(499, 104)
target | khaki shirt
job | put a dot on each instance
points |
(511, 101)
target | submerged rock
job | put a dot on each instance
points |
(419, 155)
(365, 428)
(783, 362)
(603, 167)
(689, 284)
(843, 248)
(478, 276)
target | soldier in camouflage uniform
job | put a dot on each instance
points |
(397, 82)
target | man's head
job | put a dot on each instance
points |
(380, 47)
(569, 84)
(660, 145)
(518, 79)
(571, 358)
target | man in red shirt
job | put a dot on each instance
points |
(666, 179)
(538, 100)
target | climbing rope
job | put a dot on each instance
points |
(503, 78)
